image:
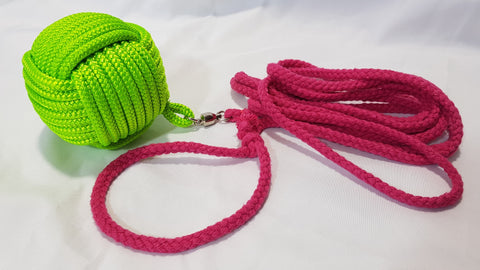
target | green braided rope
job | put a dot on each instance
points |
(96, 80)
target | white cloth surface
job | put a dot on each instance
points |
(317, 216)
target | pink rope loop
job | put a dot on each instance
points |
(211, 233)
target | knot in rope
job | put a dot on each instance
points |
(249, 128)
(96, 80)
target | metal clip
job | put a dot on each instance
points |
(208, 118)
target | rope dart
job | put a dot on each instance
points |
(96, 80)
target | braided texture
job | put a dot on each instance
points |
(358, 108)
(96, 80)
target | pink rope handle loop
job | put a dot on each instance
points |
(252, 146)
(356, 108)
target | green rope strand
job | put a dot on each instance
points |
(96, 80)
(178, 114)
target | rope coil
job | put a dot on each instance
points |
(354, 108)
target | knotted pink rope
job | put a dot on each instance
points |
(357, 108)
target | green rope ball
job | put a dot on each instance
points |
(96, 80)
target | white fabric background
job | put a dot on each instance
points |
(317, 216)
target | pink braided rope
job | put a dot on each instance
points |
(356, 108)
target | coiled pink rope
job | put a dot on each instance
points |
(357, 108)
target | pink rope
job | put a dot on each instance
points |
(357, 108)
